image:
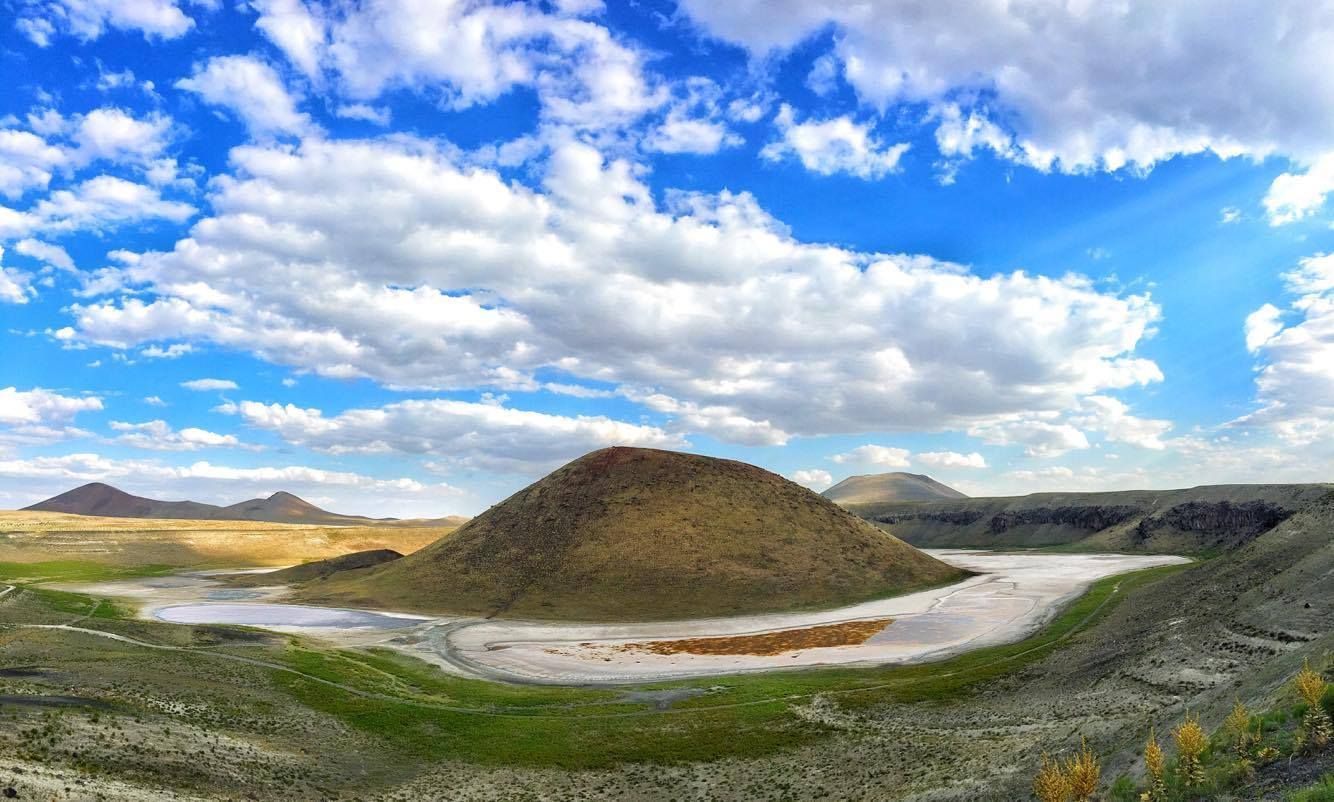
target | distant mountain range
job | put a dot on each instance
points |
(104, 500)
(882, 487)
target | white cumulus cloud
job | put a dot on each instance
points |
(158, 435)
(39, 406)
(1295, 380)
(814, 478)
(205, 385)
(27, 160)
(1293, 196)
(388, 260)
(951, 459)
(468, 53)
(1051, 69)
(15, 285)
(1039, 437)
(879, 456)
(252, 90)
(489, 436)
(97, 204)
(837, 145)
(42, 20)
(116, 135)
(53, 255)
(1112, 417)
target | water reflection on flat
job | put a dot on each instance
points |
(283, 615)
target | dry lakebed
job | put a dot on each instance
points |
(1011, 595)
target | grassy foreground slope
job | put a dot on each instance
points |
(641, 534)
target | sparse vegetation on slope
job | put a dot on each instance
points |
(640, 534)
(1219, 767)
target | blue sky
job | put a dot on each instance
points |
(404, 257)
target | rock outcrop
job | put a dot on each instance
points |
(1197, 520)
(1225, 523)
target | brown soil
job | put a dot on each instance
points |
(849, 633)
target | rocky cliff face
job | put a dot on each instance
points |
(1202, 519)
(962, 518)
(1223, 519)
(1089, 518)
(1222, 523)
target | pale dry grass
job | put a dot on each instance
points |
(41, 536)
(35, 522)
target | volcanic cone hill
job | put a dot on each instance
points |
(638, 534)
(882, 487)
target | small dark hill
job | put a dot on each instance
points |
(316, 570)
(880, 487)
(102, 499)
(641, 534)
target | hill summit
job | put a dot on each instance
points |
(880, 487)
(642, 534)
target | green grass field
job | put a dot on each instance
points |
(1322, 791)
(75, 571)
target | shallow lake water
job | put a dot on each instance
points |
(284, 615)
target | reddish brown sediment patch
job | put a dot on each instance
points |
(850, 633)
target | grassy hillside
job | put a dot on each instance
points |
(1194, 520)
(640, 534)
(882, 487)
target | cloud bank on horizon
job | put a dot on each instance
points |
(402, 257)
